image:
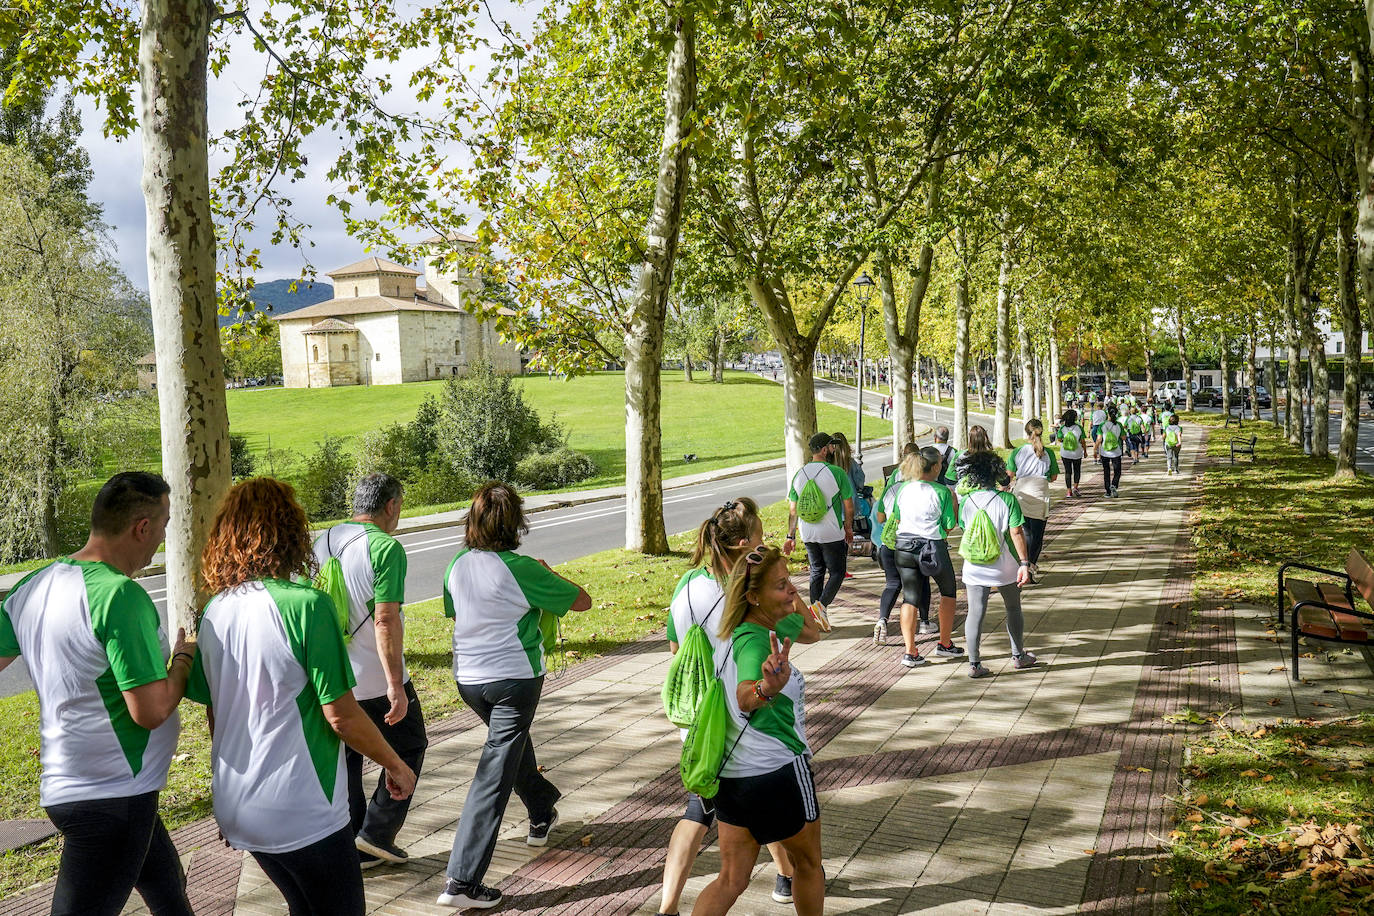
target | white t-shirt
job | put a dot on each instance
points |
(925, 509)
(494, 600)
(775, 735)
(89, 632)
(1023, 462)
(835, 487)
(1177, 432)
(1099, 417)
(1120, 440)
(374, 567)
(271, 657)
(1077, 432)
(1005, 512)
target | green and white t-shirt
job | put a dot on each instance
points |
(89, 632)
(775, 735)
(925, 509)
(836, 487)
(1023, 462)
(1173, 432)
(271, 656)
(374, 567)
(1116, 430)
(1005, 512)
(1076, 432)
(494, 600)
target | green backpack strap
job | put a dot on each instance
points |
(690, 671)
(330, 580)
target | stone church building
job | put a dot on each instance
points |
(381, 328)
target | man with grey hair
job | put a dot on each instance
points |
(374, 571)
(948, 454)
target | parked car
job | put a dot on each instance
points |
(1174, 390)
(1207, 397)
(1242, 395)
(1120, 388)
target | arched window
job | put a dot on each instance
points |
(458, 347)
(315, 353)
(345, 352)
(355, 292)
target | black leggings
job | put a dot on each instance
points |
(1111, 472)
(916, 584)
(322, 879)
(1034, 529)
(1073, 471)
(892, 586)
(111, 847)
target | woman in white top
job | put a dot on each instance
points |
(1110, 441)
(1007, 573)
(699, 599)
(1072, 441)
(926, 512)
(496, 598)
(1033, 468)
(276, 679)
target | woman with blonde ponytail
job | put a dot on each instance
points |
(699, 599)
(1032, 467)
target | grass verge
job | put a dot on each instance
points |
(630, 594)
(1276, 820)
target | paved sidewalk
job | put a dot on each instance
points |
(1038, 791)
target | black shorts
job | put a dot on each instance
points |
(912, 577)
(699, 810)
(772, 807)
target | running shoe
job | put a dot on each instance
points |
(1024, 660)
(368, 861)
(1116, 491)
(880, 632)
(376, 849)
(948, 651)
(539, 833)
(469, 896)
(913, 661)
(927, 627)
(782, 889)
(976, 669)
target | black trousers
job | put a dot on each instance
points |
(507, 763)
(1034, 529)
(322, 879)
(110, 848)
(832, 558)
(1111, 472)
(380, 818)
(1073, 471)
(892, 585)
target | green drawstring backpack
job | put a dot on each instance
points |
(1110, 441)
(980, 544)
(811, 504)
(1069, 438)
(330, 580)
(703, 753)
(889, 536)
(690, 672)
(1171, 437)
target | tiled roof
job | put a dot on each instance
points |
(330, 324)
(363, 305)
(372, 266)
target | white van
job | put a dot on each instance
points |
(1175, 390)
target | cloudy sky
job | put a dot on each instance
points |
(118, 164)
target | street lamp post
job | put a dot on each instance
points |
(865, 282)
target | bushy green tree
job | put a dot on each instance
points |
(485, 426)
(325, 489)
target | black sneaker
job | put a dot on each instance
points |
(368, 861)
(782, 889)
(913, 661)
(375, 849)
(948, 651)
(539, 833)
(469, 896)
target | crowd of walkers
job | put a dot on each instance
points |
(300, 687)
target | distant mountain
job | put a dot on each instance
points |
(275, 297)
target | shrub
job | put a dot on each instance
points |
(485, 425)
(439, 482)
(387, 450)
(326, 487)
(559, 468)
(241, 462)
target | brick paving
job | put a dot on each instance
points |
(1039, 791)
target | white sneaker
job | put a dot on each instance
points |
(927, 627)
(880, 632)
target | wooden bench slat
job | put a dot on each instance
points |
(1316, 622)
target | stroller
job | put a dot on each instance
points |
(864, 544)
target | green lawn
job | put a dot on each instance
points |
(723, 425)
(630, 595)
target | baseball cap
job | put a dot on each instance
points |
(820, 441)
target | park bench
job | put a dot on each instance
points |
(1236, 418)
(1326, 610)
(1243, 446)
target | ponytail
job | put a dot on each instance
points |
(719, 536)
(1035, 433)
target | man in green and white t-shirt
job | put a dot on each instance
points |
(98, 657)
(374, 570)
(827, 538)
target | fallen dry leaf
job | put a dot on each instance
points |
(587, 840)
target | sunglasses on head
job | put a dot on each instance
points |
(754, 557)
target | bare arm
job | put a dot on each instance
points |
(1018, 537)
(390, 649)
(5, 661)
(849, 519)
(583, 601)
(152, 704)
(791, 540)
(811, 631)
(352, 725)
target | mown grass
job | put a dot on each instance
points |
(630, 594)
(1282, 506)
(1276, 820)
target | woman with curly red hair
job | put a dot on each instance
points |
(276, 679)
